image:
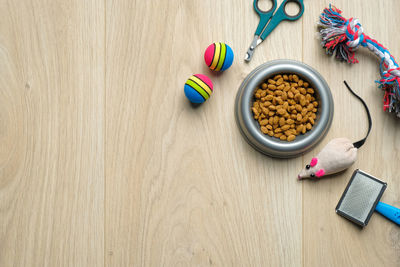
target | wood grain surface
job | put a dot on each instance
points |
(103, 161)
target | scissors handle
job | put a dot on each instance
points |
(282, 15)
(265, 15)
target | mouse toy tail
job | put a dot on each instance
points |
(359, 144)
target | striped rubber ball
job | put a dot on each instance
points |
(218, 56)
(198, 88)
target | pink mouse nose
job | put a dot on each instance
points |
(299, 177)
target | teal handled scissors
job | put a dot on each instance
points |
(264, 28)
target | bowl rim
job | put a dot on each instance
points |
(249, 126)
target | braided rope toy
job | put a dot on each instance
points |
(342, 37)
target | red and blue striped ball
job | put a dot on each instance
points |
(218, 56)
(198, 88)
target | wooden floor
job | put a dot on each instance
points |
(103, 162)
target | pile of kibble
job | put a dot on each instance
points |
(285, 107)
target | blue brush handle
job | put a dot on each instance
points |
(390, 212)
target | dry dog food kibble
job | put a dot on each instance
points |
(285, 106)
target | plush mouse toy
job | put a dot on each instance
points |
(338, 155)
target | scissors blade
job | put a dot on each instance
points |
(256, 41)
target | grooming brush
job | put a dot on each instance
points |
(361, 198)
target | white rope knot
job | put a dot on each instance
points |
(392, 68)
(395, 72)
(354, 32)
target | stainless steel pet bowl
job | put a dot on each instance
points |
(250, 128)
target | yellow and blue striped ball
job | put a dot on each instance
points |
(218, 56)
(198, 88)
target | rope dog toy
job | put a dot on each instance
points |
(342, 37)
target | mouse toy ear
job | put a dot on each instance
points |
(320, 173)
(313, 162)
